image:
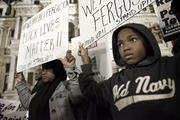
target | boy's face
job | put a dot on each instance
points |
(130, 45)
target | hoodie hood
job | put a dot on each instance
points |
(147, 34)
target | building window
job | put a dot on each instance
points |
(36, 2)
(1, 11)
(71, 31)
(7, 68)
(30, 78)
(73, 1)
(5, 82)
(12, 33)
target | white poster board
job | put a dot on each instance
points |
(14, 116)
(99, 17)
(11, 110)
(8, 106)
(168, 23)
(44, 37)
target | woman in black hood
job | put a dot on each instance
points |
(148, 87)
(53, 98)
(53, 73)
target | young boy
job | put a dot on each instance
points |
(147, 89)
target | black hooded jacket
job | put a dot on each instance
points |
(148, 90)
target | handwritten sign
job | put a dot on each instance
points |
(7, 106)
(168, 23)
(14, 116)
(11, 110)
(99, 17)
(44, 37)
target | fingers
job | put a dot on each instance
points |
(68, 52)
(69, 56)
(82, 51)
(69, 59)
(64, 61)
(60, 59)
(79, 50)
(72, 62)
(19, 76)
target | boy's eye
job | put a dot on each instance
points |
(133, 39)
(119, 44)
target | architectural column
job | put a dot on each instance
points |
(1, 60)
(24, 19)
(2, 29)
(12, 70)
(14, 53)
(11, 73)
(7, 37)
(1, 35)
(16, 32)
(1, 74)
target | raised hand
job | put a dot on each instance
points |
(84, 54)
(69, 60)
(19, 77)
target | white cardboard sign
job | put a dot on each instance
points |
(44, 37)
(11, 110)
(168, 23)
(99, 17)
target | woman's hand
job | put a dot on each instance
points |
(19, 77)
(84, 54)
(69, 60)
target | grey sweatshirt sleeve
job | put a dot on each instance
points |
(24, 94)
(73, 84)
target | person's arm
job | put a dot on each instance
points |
(73, 74)
(176, 52)
(23, 90)
(176, 47)
(73, 84)
(98, 93)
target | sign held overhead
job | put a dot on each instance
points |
(44, 37)
(99, 17)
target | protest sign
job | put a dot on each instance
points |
(168, 23)
(14, 116)
(11, 110)
(99, 17)
(44, 37)
(8, 106)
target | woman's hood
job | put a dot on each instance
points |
(143, 30)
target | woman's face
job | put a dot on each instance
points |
(47, 75)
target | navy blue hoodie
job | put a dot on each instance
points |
(148, 90)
